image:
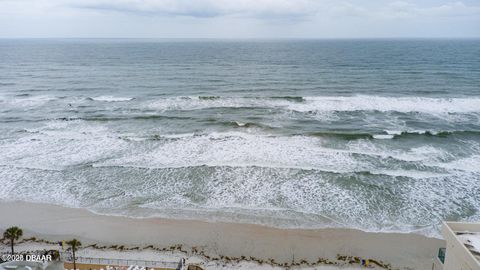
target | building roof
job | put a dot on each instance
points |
(471, 240)
(468, 234)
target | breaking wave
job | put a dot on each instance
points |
(325, 104)
(110, 98)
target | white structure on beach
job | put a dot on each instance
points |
(462, 251)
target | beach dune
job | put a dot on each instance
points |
(215, 240)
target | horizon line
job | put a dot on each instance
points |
(249, 38)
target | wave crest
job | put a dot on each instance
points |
(325, 104)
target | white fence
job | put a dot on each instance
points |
(121, 262)
(67, 257)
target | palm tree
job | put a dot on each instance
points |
(74, 243)
(12, 234)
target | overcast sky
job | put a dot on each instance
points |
(239, 18)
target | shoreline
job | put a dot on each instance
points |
(221, 240)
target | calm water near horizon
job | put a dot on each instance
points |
(381, 135)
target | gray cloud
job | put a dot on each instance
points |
(255, 8)
(408, 9)
(239, 18)
(208, 8)
(277, 8)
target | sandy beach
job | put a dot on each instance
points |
(220, 241)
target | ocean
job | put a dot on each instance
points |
(379, 135)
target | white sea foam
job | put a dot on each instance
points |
(197, 103)
(420, 154)
(112, 98)
(393, 132)
(182, 135)
(328, 104)
(26, 101)
(383, 136)
(240, 149)
(249, 194)
(37, 186)
(413, 131)
(398, 104)
(236, 176)
(59, 144)
(468, 164)
(69, 143)
(268, 195)
(414, 174)
(235, 149)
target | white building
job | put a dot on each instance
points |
(462, 251)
